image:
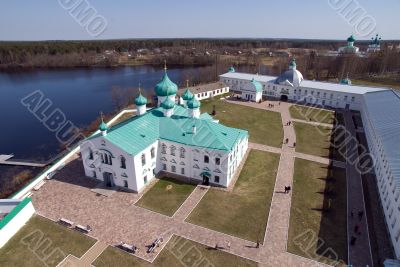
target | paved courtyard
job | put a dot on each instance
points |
(115, 218)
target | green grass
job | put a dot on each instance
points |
(244, 211)
(311, 114)
(178, 252)
(265, 127)
(166, 196)
(313, 140)
(29, 245)
(311, 218)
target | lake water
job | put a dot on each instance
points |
(79, 93)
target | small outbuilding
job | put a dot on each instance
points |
(252, 91)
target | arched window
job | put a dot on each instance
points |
(206, 159)
(143, 159)
(123, 163)
(90, 154)
(173, 149)
(153, 152)
(163, 149)
(182, 152)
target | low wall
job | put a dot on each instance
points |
(14, 220)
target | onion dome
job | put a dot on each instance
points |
(187, 95)
(231, 69)
(346, 80)
(193, 103)
(351, 39)
(292, 64)
(257, 85)
(165, 87)
(291, 77)
(140, 100)
(168, 104)
(103, 127)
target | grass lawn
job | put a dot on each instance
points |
(178, 252)
(311, 114)
(166, 196)
(313, 140)
(43, 239)
(265, 127)
(244, 211)
(312, 219)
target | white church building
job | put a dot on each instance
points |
(170, 139)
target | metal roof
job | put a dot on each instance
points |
(335, 87)
(138, 133)
(383, 109)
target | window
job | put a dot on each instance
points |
(145, 179)
(206, 159)
(126, 183)
(90, 154)
(163, 149)
(123, 163)
(164, 166)
(143, 159)
(182, 152)
(153, 152)
(106, 158)
(94, 174)
(216, 179)
(217, 161)
(182, 170)
(172, 150)
(173, 168)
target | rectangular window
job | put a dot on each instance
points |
(125, 183)
(182, 170)
(164, 166)
(217, 161)
(216, 179)
(206, 159)
(173, 168)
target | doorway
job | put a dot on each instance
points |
(108, 179)
(284, 98)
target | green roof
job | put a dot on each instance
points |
(193, 103)
(14, 212)
(187, 95)
(103, 126)
(138, 133)
(140, 100)
(165, 87)
(231, 69)
(257, 85)
(292, 63)
(168, 103)
(351, 39)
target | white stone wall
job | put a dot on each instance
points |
(95, 168)
(144, 173)
(315, 96)
(388, 193)
(13, 226)
(211, 93)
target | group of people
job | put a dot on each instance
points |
(287, 141)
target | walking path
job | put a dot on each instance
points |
(190, 203)
(315, 123)
(360, 252)
(87, 259)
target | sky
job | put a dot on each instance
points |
(120, 19)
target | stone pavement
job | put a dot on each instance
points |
(315, 123)
(87, 259)
(360, 252)
(116, 218)
(190, 203)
